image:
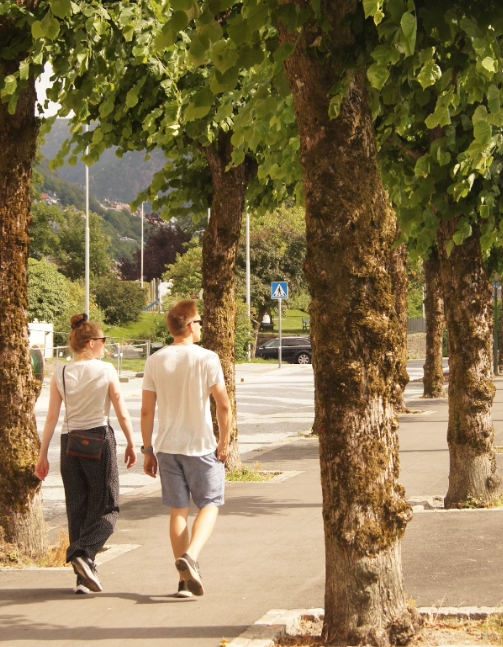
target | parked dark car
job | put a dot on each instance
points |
(293, 349)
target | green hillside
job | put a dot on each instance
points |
(116, 223)
(119, 180)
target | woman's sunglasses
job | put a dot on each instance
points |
(103, 339)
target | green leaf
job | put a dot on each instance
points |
(384, 54)
(37, 30)
(371, 7)
(469, 27)
(50, 26)
(377, 75)
(480, 114)
(489, 64)
(128, 32)
(494, 99)
(61, 8)
(430, 73)
(334, 107)
(482, 133)
(250, 57)
(422, 168)
(224, 82)
(224, 55)
(200, 105)
(181, 5)
(224, 112)
(409, 28)
(10, 84)
(239, 31)
(24, 70)
(178, 21)
(132, 97)
(212, 31)
(198, 50)
(166, 38)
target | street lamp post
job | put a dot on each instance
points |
(141, 255)
(248, 302)
(86, 253)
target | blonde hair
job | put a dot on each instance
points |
(180, 316)
(82, 331)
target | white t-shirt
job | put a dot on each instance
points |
(87, 395)
(181, 376)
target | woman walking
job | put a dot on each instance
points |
(88, 454)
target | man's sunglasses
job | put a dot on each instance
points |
(199, 321)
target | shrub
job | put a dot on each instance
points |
(121, 301)
(75, 303)
(47, 291)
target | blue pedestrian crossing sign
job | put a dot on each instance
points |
(279, 290)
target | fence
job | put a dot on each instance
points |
(416, 324)
(127, 355)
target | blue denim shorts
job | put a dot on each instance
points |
(203, 477)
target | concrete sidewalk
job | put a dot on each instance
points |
(266, 552)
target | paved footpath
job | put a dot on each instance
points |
(266, 552)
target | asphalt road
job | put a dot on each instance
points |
(273, 406)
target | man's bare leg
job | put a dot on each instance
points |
(202, 529)
(179, 532)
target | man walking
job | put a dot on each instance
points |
(180, 378)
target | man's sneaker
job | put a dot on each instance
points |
(80, 588)
(86, 568)
(183, 591)
(189, 570)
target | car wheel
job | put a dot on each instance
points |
(303, 358)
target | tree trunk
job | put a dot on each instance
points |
(500, 337)
(433, 382)
(220, 244)
(470, 433)
(21, 512)
(350, 229)
(399, 284)
(256, 329)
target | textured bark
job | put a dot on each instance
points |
(500, 338)
(21, 514)
(220, 244)
(470, 433)
(433, 382)
(350, 229)
(399, 285)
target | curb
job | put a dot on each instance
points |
(280, 622)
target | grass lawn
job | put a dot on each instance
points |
(135, 329)
(292, 323)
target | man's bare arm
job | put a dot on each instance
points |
(148, 400)
(224, 417)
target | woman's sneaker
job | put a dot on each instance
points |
(183, 591)
(189, 570)
(86, 568)
(80, 587)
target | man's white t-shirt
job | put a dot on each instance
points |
(181, 376)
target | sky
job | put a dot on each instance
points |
(42, 85)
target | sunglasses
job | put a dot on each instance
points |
(199, 321)
(103, 339)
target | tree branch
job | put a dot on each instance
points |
(416, 154)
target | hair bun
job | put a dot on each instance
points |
(78, 320)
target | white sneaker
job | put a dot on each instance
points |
(80, 588)
(183, 591)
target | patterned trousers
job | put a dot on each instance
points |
(92, 496)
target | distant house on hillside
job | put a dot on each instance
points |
(50, 198)
(131, 240)
(120, 206)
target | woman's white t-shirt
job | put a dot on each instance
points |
(181, 376)
(87, 393)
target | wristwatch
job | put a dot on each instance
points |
(149, 450)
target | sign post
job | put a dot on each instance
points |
(279, 290)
